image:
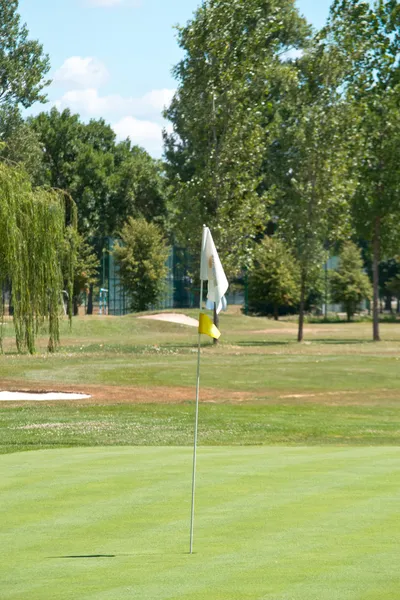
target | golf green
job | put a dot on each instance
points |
(272, 523)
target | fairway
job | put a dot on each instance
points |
(271, 524)
(298, 481)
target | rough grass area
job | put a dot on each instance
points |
(271, 524)
(258, 386)
(36, 427)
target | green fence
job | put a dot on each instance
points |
(178, 290)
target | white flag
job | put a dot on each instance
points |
(211, 270)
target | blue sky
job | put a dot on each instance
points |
(113, 58)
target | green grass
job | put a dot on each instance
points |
(298, 468)
(257, 373)
(337, 387)
(36, 427)
(271, 524)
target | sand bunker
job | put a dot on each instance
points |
(173, 318)
(39, 396)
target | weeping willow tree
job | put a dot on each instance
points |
(37, 254)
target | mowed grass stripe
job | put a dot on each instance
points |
(271, 523)
(36, 426)
(292, 373)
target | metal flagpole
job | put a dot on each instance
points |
(196, 421)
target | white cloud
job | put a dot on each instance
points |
(158, 99)
(89, 102)
(81, 72)
(136, 117)
(143, 133)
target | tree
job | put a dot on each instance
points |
(22, 62)
(349, 284)
(138, 188)
(20, 144)
(109, 182)
(141, 258)
(274, 277)
(36, 245)
(389, 270)
(229, 83)
(85, 272)
(367, 38)
(308, 166)
(393, 287)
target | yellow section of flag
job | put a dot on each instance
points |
(207, 327)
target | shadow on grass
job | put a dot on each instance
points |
(266, 343)
(86, 556)
(340, 342)
(137, 554)
(307, 341)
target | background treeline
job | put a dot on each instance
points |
(285, 141)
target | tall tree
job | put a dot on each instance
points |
(20, 143)
(109, 182)
(36, 252)
(22, 62)
(367, 37)
(138, 187)
(307, 166)
(229, 82)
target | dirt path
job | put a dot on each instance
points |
(112, 394)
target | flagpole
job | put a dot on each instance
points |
(196, 423)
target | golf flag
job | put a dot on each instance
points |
(207, 327)
(211, 270)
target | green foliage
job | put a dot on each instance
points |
(22, 62)
(109, 182)
(139, 187)
(33, 249)
(229, 84)
(389, 274)
(307, 167)
(141, 258)
(273, 279)
(85, 271)
(365, 36)
(21, 144)
(349, 284)
(391, 281)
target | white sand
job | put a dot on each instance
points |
(39, 397)
(173, 318)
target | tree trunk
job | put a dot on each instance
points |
(216, 322)
(90, 301)
(302, 303)
(75, 306)
(375, 272)
(276, 312)
(10, 302)
(388, 304)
